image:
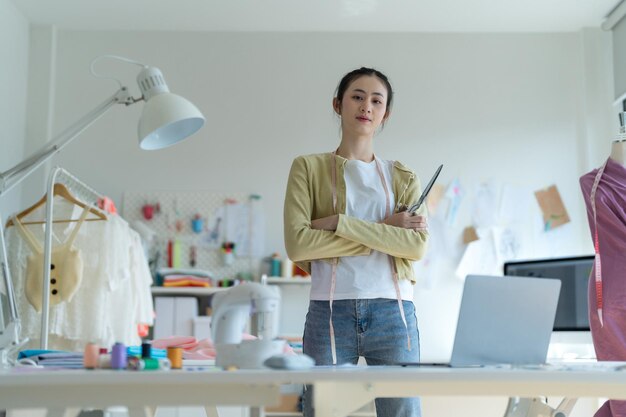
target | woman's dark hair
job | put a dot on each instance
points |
(357, 73)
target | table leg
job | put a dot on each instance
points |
(72, 412)
(211, 411)
(339, 399)
(140, 412)
(535, 407)
(55, 412)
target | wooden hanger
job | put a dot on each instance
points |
(61, 191)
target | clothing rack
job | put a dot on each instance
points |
(83, 193)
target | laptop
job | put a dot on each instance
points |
(504, 320)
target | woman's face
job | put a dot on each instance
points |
(363, 107)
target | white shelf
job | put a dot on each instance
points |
(186, 290)
(211, 290)
(288, 281)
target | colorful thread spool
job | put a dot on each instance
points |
(175, 355)
(145, 350)
(91, 355)
(134, 363)
(118, 356)
(104, 360)
(149, 364)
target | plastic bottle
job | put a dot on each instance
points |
(275, 265)
(287, 268)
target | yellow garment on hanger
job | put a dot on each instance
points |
(66, 267)
(66, 263)
(59, 190)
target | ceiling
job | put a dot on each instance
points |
(320, 15)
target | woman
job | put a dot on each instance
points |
(346, 223)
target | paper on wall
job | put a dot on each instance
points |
(237, 227)
(469, 235)
(215, 229)
(552, 208)
(515, 204)
(454, 193)
(561, 241)
(484, 203)
(480, 256)
(508, 244)
(244, 224)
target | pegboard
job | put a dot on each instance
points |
(233, 217)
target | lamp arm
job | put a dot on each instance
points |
(10, 329)
(15, 175)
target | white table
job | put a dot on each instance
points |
(338, 391)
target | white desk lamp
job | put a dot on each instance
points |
(166, 119)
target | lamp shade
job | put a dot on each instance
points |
(166, 118)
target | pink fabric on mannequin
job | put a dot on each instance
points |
(609, 340)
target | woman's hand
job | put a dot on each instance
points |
(407, 221)
(326, 223)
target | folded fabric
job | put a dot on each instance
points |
(182, 271)
(52, 358)
(184, 342)
(186, 276)
(186, 282)
(27, 353)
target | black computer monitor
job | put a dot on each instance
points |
(572, 312)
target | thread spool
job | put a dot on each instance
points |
(145, 350)
(118, 356)
(90, 357)
(275, 265)
(135, 363)
(165, 364)
(287, 268)
(175, 355)
(149, 364)
(104, 360)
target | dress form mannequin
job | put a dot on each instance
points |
(618, 151)
(604, 191)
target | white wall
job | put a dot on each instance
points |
(514, 108)
(487, 106)
(14, 39)
(520, 109)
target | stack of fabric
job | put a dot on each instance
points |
(168, 277)
(51, 358)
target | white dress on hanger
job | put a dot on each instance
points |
(114, 296)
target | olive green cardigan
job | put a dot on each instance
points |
(309, 197)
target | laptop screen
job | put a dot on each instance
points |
(505, 320)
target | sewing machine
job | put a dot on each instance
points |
(231, 312)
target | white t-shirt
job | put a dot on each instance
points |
(369, 276)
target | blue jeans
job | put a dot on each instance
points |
(369, 328)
